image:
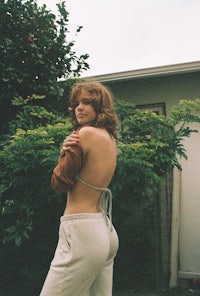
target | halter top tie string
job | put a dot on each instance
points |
(105, 201)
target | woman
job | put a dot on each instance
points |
(88, 242)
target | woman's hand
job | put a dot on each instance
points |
(69, 141)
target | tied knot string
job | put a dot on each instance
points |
(105, 201)
(106, 205)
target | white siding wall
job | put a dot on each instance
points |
(190, 209)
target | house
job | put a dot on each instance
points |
(159, 89)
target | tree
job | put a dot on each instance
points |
(35, 51)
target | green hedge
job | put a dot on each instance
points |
(30, 209)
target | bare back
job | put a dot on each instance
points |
(100, 151)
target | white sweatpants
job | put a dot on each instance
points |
(83, 261)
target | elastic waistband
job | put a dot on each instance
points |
(81, 216)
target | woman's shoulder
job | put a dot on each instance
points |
(93, 135)
(89, 138)
(87, 128)
(90, 130)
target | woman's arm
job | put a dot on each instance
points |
(70, 162)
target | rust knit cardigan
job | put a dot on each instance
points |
(69, 165)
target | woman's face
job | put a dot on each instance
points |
(84, 111)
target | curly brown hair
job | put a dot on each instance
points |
(101, 101)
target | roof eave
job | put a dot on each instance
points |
(148, 72)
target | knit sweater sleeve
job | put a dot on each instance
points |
(69, 165)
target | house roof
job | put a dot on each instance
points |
(149, 72)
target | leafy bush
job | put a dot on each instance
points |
(148, 146)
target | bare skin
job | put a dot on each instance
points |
(100, 151)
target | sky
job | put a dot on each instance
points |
(123, 35)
